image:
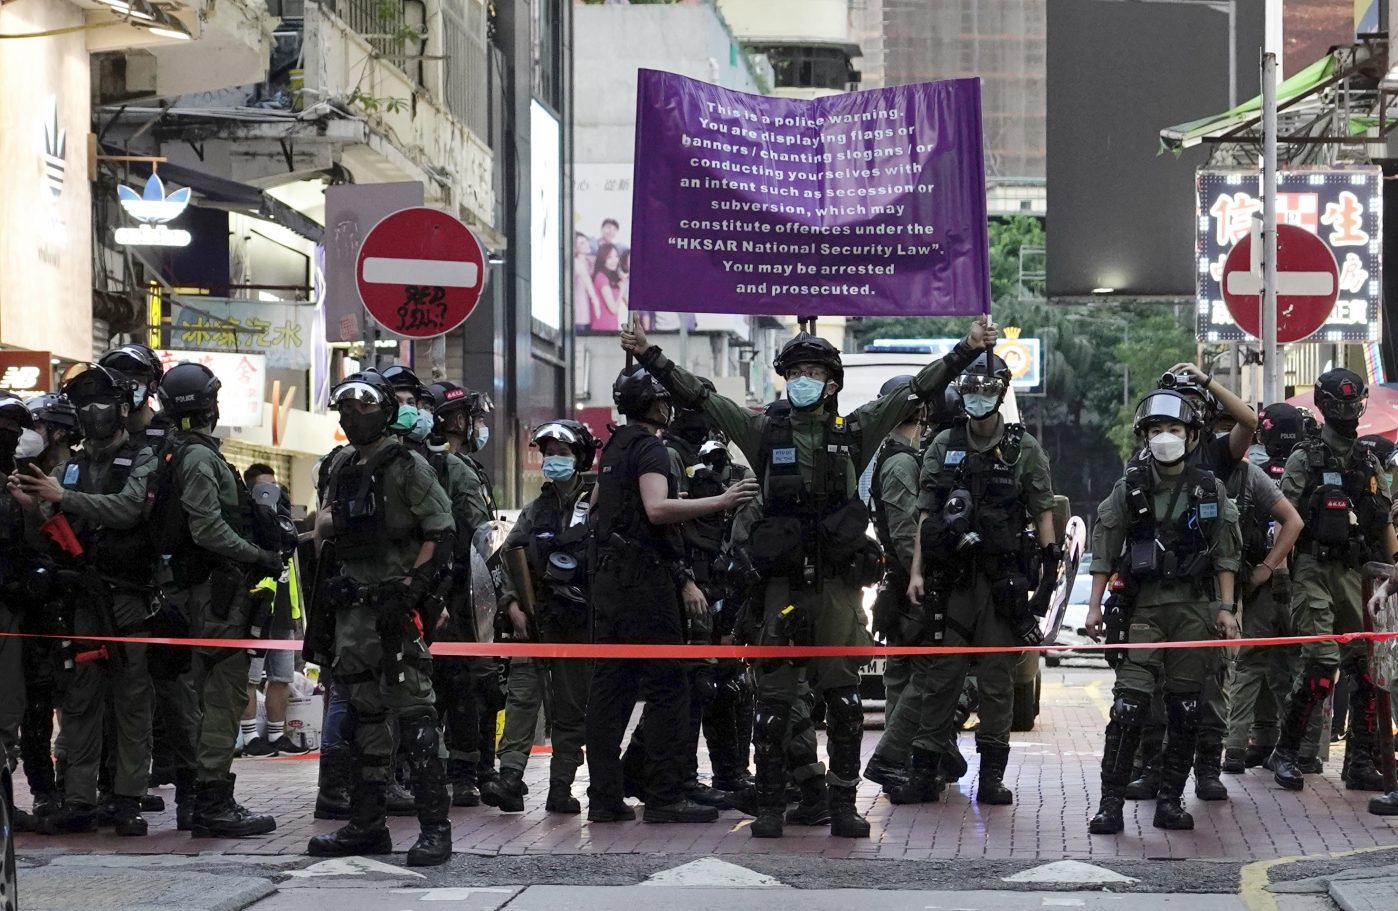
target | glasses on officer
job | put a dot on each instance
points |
(810, 371)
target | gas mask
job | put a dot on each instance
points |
(100, 420)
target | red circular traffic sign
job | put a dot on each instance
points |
(420, 272)
(1308, 282)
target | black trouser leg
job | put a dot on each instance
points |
(613, 699)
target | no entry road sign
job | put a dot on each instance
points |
(1308, 283)
(420, 272)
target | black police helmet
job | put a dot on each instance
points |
(1161, 405)
(1308, 421)
(189, 394)
(136, 361)
(1280, 427)
(946, 410)
(988, 374)
(635, 391)
(88, 383)
(1382, 447)
(573, 434)
(1341, 395)
(894, 383)
(806, 348)
(12, 409)
(402, 379)
(55, 408)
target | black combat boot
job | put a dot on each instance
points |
(127, 819)
(462, 773)
(505, 792)
(1183, 737)
(885, 772)
(71, 818)
(401, 801)
(561, 799)
(682, 810)
(1234, 761)
(814, 808)
(1118, 752)
(218, 815)
(771, 720)
(991, 788)
(1312, 689)
(1387, 805)
(151, 803)
(1208, 762)
(333, 799)
(845, 821)
(1145, 783)
(367, 830)
(185, 800)
(924, 784)
(420, 743)
(46, 803)
(1358, 771)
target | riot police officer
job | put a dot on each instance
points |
(1341, 491)
(143, 367)
(987, 519)
(810, 543)
(1170, 535)
(893, 496)
(640, 596)
(100, 492)
(547, 601)
(387, 516)
(56, 423)
(1262, 676)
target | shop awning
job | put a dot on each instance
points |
(1307, 82)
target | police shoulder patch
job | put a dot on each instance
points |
(70, 474)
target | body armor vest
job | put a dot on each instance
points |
(890, 448)
(1344, 511)
(619, 507)
(358, 502)
(1159, 550)
(999, 515)
(123, 553)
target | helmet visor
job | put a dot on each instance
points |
(357, 391)
(1337, 408)
(89, 383)
(555, 431)
(978, 384)
(1159, 407)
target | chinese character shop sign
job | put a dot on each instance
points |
(420, 272)
(1343, 207)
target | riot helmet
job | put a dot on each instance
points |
(101, 397)
(1186, 385)
(141, 364)
(55, 410)
(189, 395)
(15, 421)
(635, 393)
(1280, 427)
(367, 405)
(1309, 424)
(715, 455)
(572, 434)
(1341, 396)
(403, 381)
(1383, 449)
(983, 385)
(1167, 406)
(456, 410)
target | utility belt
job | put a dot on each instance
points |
(395, 616)
(617, 548)
(1353, 551)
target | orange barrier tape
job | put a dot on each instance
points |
(558, 650)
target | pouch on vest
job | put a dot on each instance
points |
(1329, 521)
(844, 533)
(774, 544)
(1143, 560)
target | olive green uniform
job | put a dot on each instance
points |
(415, 509)
(971, 615)
(899, 483)
(218, 604)
(1167, 611)
(126, 681)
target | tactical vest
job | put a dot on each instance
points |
(1174, 552)
(888, 450)
(1344, 511)
(619, 507)
(1252, 526)
(479, 471)
(357, 494)
(557, 553)
(124, 553)
(1000, 516)
(168, 525)
(703, 537)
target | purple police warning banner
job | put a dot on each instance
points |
(865, 204)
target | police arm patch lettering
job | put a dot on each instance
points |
(786, 456)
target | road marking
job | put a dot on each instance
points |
(351, 866)
(1068, 871)
(714, 873)
(1064, 903)
(452, 894)
(1104, 705)
(1253, 879)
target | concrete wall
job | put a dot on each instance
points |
(45, 239)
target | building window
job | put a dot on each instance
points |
(810, 67)
(548, 53)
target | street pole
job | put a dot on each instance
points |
(1271, 365)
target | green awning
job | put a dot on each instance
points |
(1186, 135)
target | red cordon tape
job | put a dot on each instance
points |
(551, 650)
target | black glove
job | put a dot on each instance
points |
(1050, 559)
(269, 563)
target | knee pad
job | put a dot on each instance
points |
(1183, 707)
(769, 725)
(1316, 683)
(844, 712)
(1130, 710)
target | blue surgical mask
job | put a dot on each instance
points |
(980, 405)
(422, 429)
(1257, 454)
(406, 418)
(482, 437)
(804, 391)
(560, 468)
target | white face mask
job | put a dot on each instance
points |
(1167, 448)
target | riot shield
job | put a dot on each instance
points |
(487, 575)
(1074, 543)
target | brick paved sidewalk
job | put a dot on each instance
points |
(1053, 771)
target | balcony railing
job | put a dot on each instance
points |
(381, 22)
